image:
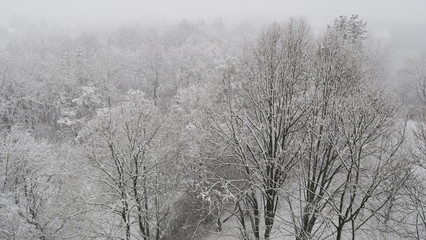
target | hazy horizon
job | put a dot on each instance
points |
(401, 24)
(125, 11)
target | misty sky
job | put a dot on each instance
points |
(105, 11)
(402, 22)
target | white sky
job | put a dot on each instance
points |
(106, 11)
(401, 23)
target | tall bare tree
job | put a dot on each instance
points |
(264, 109)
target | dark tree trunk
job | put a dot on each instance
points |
(270, 210)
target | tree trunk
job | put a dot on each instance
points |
(270, 210)
(340, 229)
(255, 204)
(145, 192)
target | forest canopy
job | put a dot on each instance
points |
(202, 131)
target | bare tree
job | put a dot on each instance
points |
(124, 145)
(264, 109)
(295, 130)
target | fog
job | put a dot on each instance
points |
(376, 12)
(401, 24)
(208, 120)
(109, 11)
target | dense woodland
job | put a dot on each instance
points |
(202, 131)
